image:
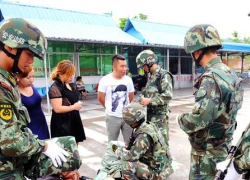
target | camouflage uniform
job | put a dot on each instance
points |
(146, 158)
(159, 89)
(20, 150)
(211, 124)
(242, 160)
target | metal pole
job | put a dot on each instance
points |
(46, 82)
(193, 73)
(168, 59)
(179, 67)
(76, 59)
(242, 59)
(101, 62)
(115, 49)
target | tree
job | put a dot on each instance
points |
(141, 16)
(236, 37)
(246, 40)
(123, 21)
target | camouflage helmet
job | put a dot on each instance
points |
(133, 113)
(19, 33)
(146, 57)
(201, 36)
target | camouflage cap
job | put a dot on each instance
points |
(201, 36)
(133, 112)
(146, 57)
(19, 33)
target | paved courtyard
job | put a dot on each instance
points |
(93, 115)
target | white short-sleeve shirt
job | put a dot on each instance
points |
(116, 93)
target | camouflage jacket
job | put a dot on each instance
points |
(17, 143)
(243, 158)
(213, 118)
(147, 148)
(160, 89)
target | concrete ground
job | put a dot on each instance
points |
(93, 115)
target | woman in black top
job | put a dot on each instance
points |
(63, 94)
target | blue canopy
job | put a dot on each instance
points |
(156, 34)
(235, 47)
(170, 35)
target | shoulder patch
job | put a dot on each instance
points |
(6, 112)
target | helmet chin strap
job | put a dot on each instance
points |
(197, 61)
(149, 67)
(16, 57)
(15, 68)
(138, 123)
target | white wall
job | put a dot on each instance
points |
(183, 81)
(91, 79)
(41, 82)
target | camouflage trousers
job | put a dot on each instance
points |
(203, 167)
(161, 122)
(138, 170)
(40, 165)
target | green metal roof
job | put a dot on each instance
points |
(66, 25)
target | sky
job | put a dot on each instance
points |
(226, 16)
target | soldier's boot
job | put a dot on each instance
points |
(41, 165)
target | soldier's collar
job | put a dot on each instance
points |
(156, 70)
(141, 126)
(212, 62)
(4, 72)
(8, 75)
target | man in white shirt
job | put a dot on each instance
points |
(115, 91)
